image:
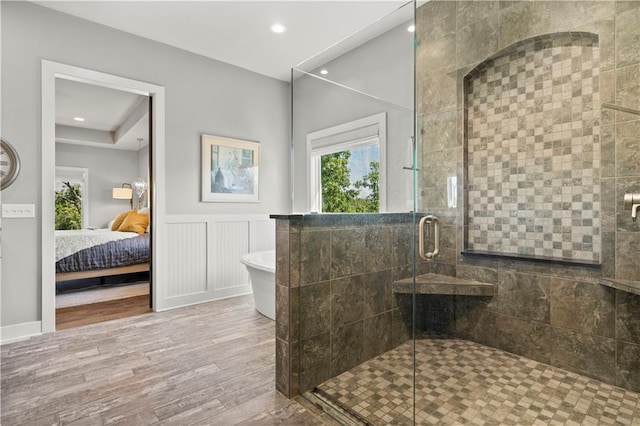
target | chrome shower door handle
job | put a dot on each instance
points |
(436, 237)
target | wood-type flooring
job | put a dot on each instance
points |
(207, 364)
(75, 316)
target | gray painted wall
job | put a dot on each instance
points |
(381, 68)
(108, 168)
(202, 96)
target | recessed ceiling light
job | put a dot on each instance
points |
(278, 28)
(324, 72)
(78, 118)
(411, 28)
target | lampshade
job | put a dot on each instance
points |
(122, 193)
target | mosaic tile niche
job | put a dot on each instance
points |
(532, 150)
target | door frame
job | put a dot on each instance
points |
(51, 71)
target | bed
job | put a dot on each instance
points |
(82, 254)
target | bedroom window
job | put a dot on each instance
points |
(71, 198)
(346, 167)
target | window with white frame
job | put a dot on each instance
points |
(72, 197)
(347, 165)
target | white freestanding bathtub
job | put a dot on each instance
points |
(261, 266)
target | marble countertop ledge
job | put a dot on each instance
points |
(624, 285)
(443, 284)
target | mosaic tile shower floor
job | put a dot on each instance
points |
(465, 383)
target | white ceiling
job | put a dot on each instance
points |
(112, 118)
(236, 32)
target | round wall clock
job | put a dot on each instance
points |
(9, 164)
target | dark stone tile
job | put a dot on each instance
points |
(294, 365)
(402, 245)
(347, 252)
(439, 91)
(483, 275)
(315, 256)
(608, 203)
(523, 295)
(628, 317)
(282, 312)
(378, 337)
(586, 354)
(436, 166)
(607, 159)
(628, 90)
(472, 11)
(478, 40)
(628, 256)
(628, 366)
(315, 309)
(435, 19)
(315, 361)
(282, 225)
(530, 339)
(568, 15)
(628, 147)
(378, 252)
(624, 5)
(608, 254)
(401, 320)
(448, 245)
(347, 346)
(519, 21)
(474, 320)
(347, 300)
(282, 258)
(294, 257)
(628, 37)
(440, 269)
(377, 293)
(294, 314)
(436, 314)
(441, 129)
(398, 274)
(438, 52)
(586, 307)
(282, 368)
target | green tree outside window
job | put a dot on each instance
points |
(68, 206)
(339, 195)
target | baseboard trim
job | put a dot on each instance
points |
(18, 332)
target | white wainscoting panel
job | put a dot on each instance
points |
(186, 258)
(230, 240)
(203, 255)
(263, 235)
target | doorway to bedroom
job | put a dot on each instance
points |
(102, 209)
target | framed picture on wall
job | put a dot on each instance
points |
(230, 170)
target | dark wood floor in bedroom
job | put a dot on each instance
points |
(93, 313)
(206, 364)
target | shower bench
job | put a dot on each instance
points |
(443, 284)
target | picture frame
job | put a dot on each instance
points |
(230, 170)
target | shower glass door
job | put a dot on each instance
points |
(355, 162)
(527, 123)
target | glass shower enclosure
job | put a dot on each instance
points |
(467, 251)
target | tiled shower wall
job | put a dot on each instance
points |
(554, 313)
(334, 305)
(532, 146)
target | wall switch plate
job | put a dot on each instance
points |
(18, 210)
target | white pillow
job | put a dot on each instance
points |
(144, 210)
(110, 224)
